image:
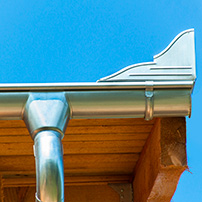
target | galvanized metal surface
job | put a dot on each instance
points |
(107, 104)
(125, 191)
(126, 85)
(49, 167)
(46, 111)
(175, 63)
(46, 116)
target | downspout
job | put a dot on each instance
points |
(46, 117)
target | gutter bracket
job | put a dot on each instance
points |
(125, 191)
(149, 100)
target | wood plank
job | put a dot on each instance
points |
(85, 130)
(83, 147)
(13, 131)
(106, 137)
(18, 194)
(103, 147)
(96, 180)
(25, 181)
(12, 124)
(1, 189)
(22, 192)
(75, 164)
(93, 193)
(162, 161)
(109, 122)
(83, 122)
(76, 138)
(30, 195)
(79, 171)
(108, 129)
(11, 195)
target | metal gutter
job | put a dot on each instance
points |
(107, 104)
(154, 89)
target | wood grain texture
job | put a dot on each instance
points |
(11, 195)
(80, 137)
(101, 129)
(19, 194)
(83, 122)
(162, 161)
(1, 188)
(75, 164)
(91, 146)
(30, 180)
(96, 152)
(84, 147)
(96, 193)
(91, 194)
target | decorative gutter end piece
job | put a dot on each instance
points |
(175, 64)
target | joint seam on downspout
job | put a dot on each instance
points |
(34, 134)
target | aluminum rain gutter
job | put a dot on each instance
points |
(154, 89)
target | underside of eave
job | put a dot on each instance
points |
(98, 152)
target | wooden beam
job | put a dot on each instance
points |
(76, 130)
(84, 122)
(81, 147)
(162, 161)
(98, 193)
(78, 138)
(102, 164)
(30, 181)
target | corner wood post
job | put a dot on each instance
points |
(162, 161)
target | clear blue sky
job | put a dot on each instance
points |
(67, 41)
